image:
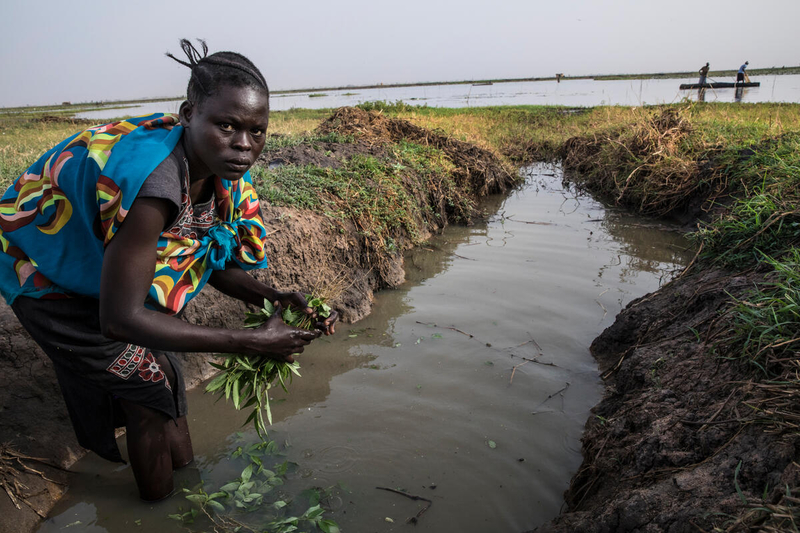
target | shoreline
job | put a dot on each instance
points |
(82, 106)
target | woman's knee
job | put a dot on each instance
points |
(139, 415)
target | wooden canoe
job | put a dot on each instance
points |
(719, 85)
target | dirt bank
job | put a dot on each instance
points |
(674, 445)
(306, 250)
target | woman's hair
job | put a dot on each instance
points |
(211, 72)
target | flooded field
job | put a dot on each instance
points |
(581, 93)
(468, 386)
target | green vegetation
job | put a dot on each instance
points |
(247, 379)
(375, 195)
(254, 501)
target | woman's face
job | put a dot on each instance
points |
(225, 134)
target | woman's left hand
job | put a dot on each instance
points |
(328, 326)
(296, 300)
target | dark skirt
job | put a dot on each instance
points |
(95, 372)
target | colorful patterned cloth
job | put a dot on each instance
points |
(57, 218)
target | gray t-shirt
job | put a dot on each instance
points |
(170, 181)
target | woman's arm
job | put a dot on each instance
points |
(236, 283)
(127, 274)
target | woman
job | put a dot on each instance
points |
(108, 236)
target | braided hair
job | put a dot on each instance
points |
(211, 72)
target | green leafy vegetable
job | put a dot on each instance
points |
(247, 379)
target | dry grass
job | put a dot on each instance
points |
(23, 141)
(296, 122)
(644, 165)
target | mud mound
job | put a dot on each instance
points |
(643, 166)
(320, 154)
(477, 167)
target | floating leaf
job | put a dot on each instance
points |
(328, 526)
(492, 444)
(216, 505)
(230, 487)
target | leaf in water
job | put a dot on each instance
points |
(230, 487)
(353, 335)
(489, 363)
(216, 506)
(196, 498)
(246, 474)
(492, 444)
(328, 526)
(313, 512)
(313, 496)
(437, 336)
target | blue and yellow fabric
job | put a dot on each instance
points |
(58, 216)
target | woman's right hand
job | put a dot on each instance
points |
(280, 341)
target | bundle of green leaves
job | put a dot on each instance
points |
(247, 379)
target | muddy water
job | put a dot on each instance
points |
(468, 386)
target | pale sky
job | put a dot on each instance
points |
(79, 51)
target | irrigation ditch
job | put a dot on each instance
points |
(698, 427)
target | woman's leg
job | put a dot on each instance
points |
(149, 450)
(157, 444)
(178, 438)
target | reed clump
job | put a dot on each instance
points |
(648, 165)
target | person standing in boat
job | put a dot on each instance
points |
(703, 74)
(741, 76)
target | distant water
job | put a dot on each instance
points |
(578, 93)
